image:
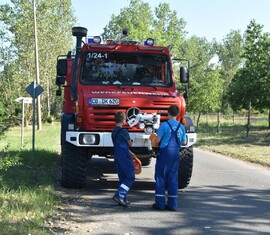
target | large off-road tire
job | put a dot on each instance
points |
(185, 167)
(74, 166)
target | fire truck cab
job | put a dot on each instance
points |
(100, 79)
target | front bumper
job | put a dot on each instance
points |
(103, 139)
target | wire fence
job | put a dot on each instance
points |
(239, 119)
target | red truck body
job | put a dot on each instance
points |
(119, 75)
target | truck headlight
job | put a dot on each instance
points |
(89, 139)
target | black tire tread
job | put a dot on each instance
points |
(185, 167)
(74, 166)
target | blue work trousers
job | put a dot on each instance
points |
(125, 171)
(166, 176)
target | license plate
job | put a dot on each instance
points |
(103, 101)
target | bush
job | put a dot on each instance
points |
(8, 160)
(49, 119)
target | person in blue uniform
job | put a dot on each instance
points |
(170, 136)
(123, 159)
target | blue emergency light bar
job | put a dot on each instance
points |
(149, 42)
(96, 39)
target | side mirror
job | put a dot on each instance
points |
(184, 75)
(61, 67)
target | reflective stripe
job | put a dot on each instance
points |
(175, 196)
(124, 187)
(160, 195)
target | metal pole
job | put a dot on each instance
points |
(22, 128)
(34, 117)
(37, 67)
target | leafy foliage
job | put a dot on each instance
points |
(162, 25)
(137, 18)
(54, 22)
(251, 83)
(206, 94)
(168, 29)
(8, 160)
(230, 58)
(206, 86)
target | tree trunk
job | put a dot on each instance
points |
(249, 114)
(218, 123)
(198, 119)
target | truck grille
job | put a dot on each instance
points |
(102, 118)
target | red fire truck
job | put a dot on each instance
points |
(102, 78)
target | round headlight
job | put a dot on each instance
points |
(89, 139)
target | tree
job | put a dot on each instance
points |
(7, 68)
(251, 83)
(137, 18)
(168, 29)
(162, 25)
(256, 54)
(239, 90)
(230, 59)
(54, 21)
(205, 96)
(206, 86)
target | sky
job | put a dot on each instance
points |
(212, 19)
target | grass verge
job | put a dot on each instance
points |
(233, 141)
(27, 181)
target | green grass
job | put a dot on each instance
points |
(233, 141)
(27, 181)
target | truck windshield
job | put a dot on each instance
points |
(133, 69)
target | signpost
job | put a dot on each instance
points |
(23, 100)
(34, 90)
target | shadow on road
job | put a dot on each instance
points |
(226, 209)
(101, 174)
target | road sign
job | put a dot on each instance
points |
(34, 90)
(22, 101)
(25, 100)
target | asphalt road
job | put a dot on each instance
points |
(225, 196)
